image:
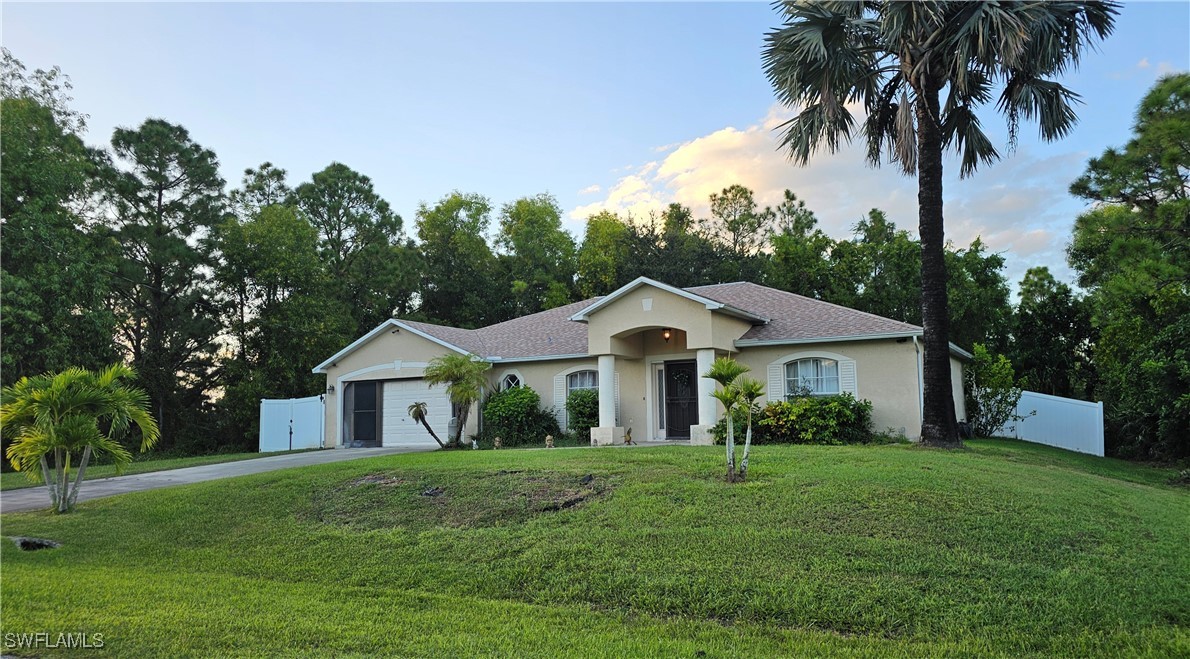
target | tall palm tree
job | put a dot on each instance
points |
(417, 412)
(465, 377)
(63, 415)
(920, 70)
(748, 391)
(724, 371)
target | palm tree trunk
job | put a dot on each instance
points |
(60, 484)
(939, 427)
(433, 434)
(78, 480)
(49, 482)
(747, 447)
(730, 448)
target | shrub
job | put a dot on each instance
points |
(515, 416)
(817, 420)
(740, 414)
(992, 392)
(582, 411)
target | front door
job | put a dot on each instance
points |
(681, 399)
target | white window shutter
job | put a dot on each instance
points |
(618, 399)
(560, 399)
(847, 381)
(776, 389)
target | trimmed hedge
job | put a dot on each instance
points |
(805, 420)
(516, 417)
(582, 412)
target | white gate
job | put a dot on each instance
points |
(293, 423)
(1075, 425)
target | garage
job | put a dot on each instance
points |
(397, 429)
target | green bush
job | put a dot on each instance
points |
(582, 411)
(740, 414)
(515, 416)
(816, 420)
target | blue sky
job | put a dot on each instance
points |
(610, 105)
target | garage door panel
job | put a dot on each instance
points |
(398, 428)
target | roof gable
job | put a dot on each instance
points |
(711, 304)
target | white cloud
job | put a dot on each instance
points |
(1019, 205)
(591, 189)
(1143, 63)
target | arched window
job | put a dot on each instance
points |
(818, 376)
(511, 380)
(581, 380)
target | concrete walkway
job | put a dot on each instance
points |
(34, 498)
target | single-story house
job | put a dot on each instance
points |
(643, 347)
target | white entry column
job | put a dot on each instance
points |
(607, 432)
(707, 403)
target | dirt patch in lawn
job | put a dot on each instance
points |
(413, 501)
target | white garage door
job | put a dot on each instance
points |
(397, 429)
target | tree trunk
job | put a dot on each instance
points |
(747, 447)
(430, 430)
(49, 482)
(60, 482)
(730, 448)
(78, 480)
(939, 427)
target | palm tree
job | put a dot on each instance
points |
(725, 370)
(62, 415)
(417, 412)
(748, 391)
(465, 379)
(897, 59)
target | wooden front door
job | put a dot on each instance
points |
(681, 399)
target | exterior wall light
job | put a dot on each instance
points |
(665, 334)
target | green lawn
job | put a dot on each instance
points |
(14, 480)
(1003, 549)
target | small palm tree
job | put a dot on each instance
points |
(725, 371)
(920, 70)
(465, 378)
(417, 412)
(62, 415)
(748, 391)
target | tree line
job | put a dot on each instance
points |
(138, 251)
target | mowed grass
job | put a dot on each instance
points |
(1002, 549)
(13, 480)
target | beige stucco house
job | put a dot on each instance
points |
(643, 348)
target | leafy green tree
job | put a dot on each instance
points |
(677, 250)
(263, 186)
(742, 227)
(879, 271)
(465, 377)
(725, 371)
(54, 273)
(1051, 337)
(458, 266)
(992, 392)
(920, 70)
(371, 266)
(73, 414)
(800, 261)
(1132, 253)
(603, 255)
(978, 295)
(166, 201)
(540, 255)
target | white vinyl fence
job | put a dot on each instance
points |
(292, 423)
(1075, 425)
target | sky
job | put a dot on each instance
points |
(616, 106)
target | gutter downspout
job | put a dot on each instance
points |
(921, 405)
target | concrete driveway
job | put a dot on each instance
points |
(34, 498)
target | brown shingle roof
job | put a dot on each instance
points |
(552, 333)
(795, 317)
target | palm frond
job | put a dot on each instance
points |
(725, 370)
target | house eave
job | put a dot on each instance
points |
(711, 305)
(391, 322)
(747, 343)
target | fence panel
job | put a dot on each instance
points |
(1075, 425)
(288, 424)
